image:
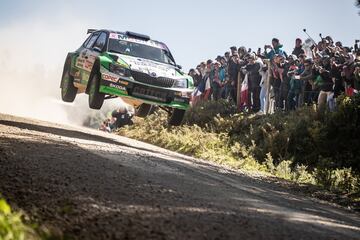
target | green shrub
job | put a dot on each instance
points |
(12, 226)
(301, 175)
(322, 148)
(204, 112)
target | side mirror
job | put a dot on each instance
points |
(179, 66)
(96, 49)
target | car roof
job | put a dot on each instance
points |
(124, 33)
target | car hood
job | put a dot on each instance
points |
(154, 69)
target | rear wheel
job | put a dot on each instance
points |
(144, 110)
(176, 117)
(96, 99)
(68, 90)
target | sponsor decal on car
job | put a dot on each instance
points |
(117, 87)
(109, 77)
(88, 65)
(79, 63)
(113, 36)
(123, 83)
(152, 43)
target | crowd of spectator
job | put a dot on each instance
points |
(271, 80)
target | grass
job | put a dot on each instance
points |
(13, 226)
(16, 225)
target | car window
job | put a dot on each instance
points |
(101, 41)
(86, 41)
(92, 40)
(140, 50)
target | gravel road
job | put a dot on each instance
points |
(93, 185)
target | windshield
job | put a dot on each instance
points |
(140, 50)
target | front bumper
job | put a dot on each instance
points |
(125, 87)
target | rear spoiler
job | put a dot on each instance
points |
(137, 35)
(91, 30)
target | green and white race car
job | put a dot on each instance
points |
(129, 65)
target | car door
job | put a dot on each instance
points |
(82, 62)
(93, 52)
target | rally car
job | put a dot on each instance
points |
(129, 65)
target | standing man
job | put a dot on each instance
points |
(233, 70)
(275, 49)
(298, 48)
(254, 77)
(218, 78)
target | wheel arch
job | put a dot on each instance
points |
(69, 62)
(95, 69)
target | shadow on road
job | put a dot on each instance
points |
(68, 133)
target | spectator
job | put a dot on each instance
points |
(227, 56)
(208, 79)
(275, 49)
(233, 70)
(218, 77)
(326, 88)
(121, 117)
(233, 50)
(254, 78)
(294, 85)
(298, 48)
(224, 66)
(277, 79)
(357, 78)
(196, 76)
(264, 85)
(294, 80)
(242, 52)
(306, 76)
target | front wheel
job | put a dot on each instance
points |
(96, 99)
(176, 117)
(68, 90)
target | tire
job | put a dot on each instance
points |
(144, 110)
(176, 117)
(68, 90)
(96, 99)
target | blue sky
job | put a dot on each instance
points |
(193, 30)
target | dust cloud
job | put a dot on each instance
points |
(31, 61)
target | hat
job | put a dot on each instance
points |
(218, 58)
(233, 48)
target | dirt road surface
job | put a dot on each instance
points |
(93, 185)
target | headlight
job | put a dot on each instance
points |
(180, 83)
(119, 70)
